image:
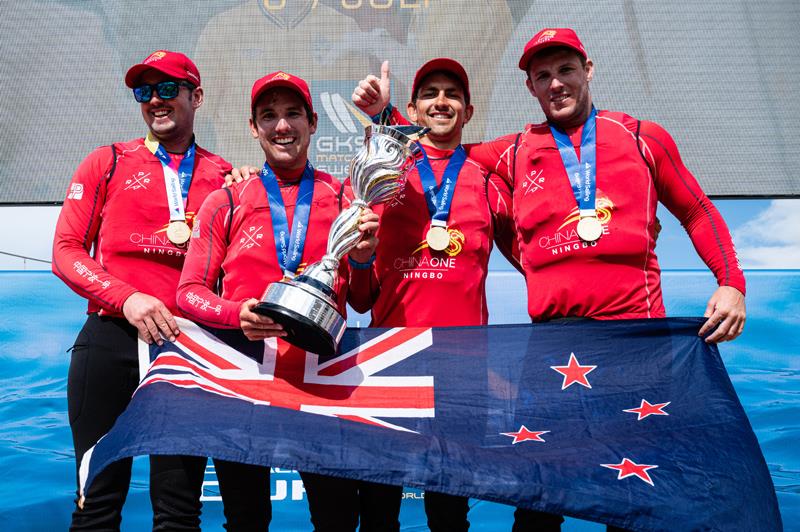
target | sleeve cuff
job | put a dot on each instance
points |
(361, 265)
(383, 116)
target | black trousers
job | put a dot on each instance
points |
(446, 513)
(532, 521)
(337, 505)
(103, 374)
(176, 484)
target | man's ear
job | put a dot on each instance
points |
(589, 70)
(197, 98)
(468, 111)
(529, 84)
(312, 126)
(253, 129)
(411, 111)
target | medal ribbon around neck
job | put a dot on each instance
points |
(440, 198)
(177, 184)
(290, 253)
(582, 175)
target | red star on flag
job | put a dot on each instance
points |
(574, 373)
(646, 409)
(627, 468)
(523, 434)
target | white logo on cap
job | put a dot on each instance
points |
(155, 56)
(546, 36)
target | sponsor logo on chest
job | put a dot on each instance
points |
(534, 182)
(158, 243)
(566, 240)
(138, 180)
(435, 266)
(252, 237)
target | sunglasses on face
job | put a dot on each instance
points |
(166, 90)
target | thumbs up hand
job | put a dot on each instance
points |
(372, 94)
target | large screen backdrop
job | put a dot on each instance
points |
(720, 75)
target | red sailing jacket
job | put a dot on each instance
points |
(111, 240)
(411, 285)
(617, 276)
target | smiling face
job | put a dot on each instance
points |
(283, 128)
(559, 79)
(440, 105)
(171, 121)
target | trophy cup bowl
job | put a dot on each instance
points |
(306, 305)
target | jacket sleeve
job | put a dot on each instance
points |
(497, 156)
(397, 119)
(499, 195)
(76, 233)
(196, 297)
(679, 191)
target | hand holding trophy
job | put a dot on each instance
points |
(306, 305)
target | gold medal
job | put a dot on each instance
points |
(438, 238)
(178, 232)
(589, 229)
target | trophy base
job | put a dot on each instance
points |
(309, 317)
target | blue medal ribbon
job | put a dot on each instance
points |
(185, 168)
(582, 174)
(289, 245)
(184, 176)
(440, 198)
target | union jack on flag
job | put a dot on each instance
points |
(282, 375)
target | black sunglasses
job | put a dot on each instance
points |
(166, 90)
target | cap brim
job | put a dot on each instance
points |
(136, 71)
(132, 77)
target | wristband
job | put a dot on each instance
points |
(361, 265)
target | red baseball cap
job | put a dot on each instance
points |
(174, 64)
(281, 79)
(441, 64)
(547, 38)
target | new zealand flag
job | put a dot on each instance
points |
(632, 422)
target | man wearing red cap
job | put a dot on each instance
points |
(258, 232)
(120, 242)
(435, 239)
(587, 240)
(585, 190)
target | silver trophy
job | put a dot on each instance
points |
(306, 305)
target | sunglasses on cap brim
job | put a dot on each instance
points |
(166, 90)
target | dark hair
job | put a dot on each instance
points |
(309, 114)
(449, 75)
(553, 50)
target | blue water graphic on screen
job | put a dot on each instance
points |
(40, 318)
